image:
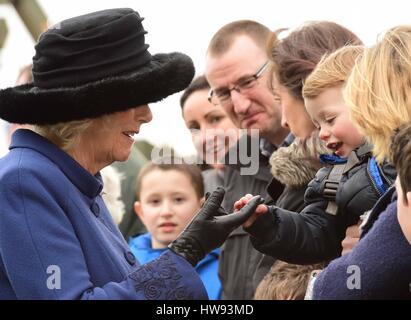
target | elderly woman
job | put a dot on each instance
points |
(93, 80)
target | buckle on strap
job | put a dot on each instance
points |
(332, 182)
(330, 189)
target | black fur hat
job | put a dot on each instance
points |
(92, 65)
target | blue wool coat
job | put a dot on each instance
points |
(206, 268)
(58, 241)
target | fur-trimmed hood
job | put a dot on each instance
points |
(297, 164)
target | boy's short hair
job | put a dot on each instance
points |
(192, 171)
(285, 281)
(332, 70)
(401, 157)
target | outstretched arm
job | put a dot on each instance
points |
(210, 227)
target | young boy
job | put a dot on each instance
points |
(170, 195)
(341, 192)
(401, 156)
(382, 259)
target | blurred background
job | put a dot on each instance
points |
(186, 26)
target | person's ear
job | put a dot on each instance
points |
(408, 195)
(138, 210)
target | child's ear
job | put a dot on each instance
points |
(138, 210)
(409, 200)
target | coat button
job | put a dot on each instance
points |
(95, 209)
(131, 259)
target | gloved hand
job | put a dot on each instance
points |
(210, 227)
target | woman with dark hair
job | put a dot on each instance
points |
(294, 58)
(212, 131)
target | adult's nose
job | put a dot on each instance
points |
(284, 122)
(241, 104)
(144, 114)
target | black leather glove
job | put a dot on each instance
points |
(210, 227)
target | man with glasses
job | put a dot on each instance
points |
(223, 96)
(238, 70)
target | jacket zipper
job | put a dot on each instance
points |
(390, 183)
(372, 181)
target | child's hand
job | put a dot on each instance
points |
(352, 237)
(261, 209)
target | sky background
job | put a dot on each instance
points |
(188, 25)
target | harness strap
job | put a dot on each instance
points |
(333, 181)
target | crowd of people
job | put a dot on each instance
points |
(294, 195)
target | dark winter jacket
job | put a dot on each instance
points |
(315, 234)
(238, 258)
(294, 167)
(242, 267)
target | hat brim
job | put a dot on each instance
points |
(166, 74)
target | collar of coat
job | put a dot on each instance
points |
(297, 164)
(88, 184)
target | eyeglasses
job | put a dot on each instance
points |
(223, 96)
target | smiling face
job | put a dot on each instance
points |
(330, 115)
(211, 129)
(256, 108)
(110, 138)
(168, 201)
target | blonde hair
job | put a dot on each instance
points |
(333, 70)
(378, 91)
(65, 135)
(285, 281)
